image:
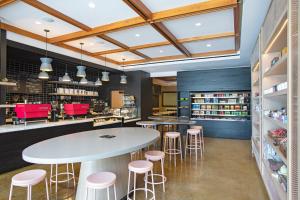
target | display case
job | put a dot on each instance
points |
(231, 105)
(106, 120)
(126, 113)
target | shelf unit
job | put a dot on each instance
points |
(75, 95)
(6, 83)
(229, 105)
(269, 63)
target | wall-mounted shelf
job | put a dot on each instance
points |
(6, 83)
(74, 84)
(278, 93)
(280, 68)
(77, 95)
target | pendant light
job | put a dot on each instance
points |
(81, 68)
(46, 62)
(66, 77)
(123, 76)
(98, 81)
(83, 81)
(105, 74)
(43, 75)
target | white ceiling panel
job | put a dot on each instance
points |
(137, 36)
(211, 45)
(161, 51)
(93, 12)
(93, 44)
(128, 56)
(204, 24)
(156, 6)
(31, 19)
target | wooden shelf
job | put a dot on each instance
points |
(4, 83)
(280, 68)
(77, 95)
(217, 110)
(270, 141)
(230, 120)
(74, 84)
(221, 103)
(216, 97)
(221, 115)
(276, 94)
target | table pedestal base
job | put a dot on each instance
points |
(117, 165)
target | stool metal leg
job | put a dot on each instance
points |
(180, 148)
(86, 193)
(134, 185)
(128, 187)
(163, 173)
(10, 191)
(115, 192)
(107, 191)
(56, 177)
(46, 184)
(73, 174)
(196, 147)
(153, 189)
(174, 147)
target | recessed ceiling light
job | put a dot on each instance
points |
(198, 24)
(48, 19)
(161, 51)
(208, 45)
(91, 43)
(91, 4)
(137, 35)
(38, 22)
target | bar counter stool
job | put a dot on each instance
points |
(170, 145)
(192, 142)
(101, 180)
(140, 167)
(54, 178)
(201, 141)
(157, 156)
(28, 179)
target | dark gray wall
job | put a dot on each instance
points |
(231, 79)
(3, 63)
(139, 84)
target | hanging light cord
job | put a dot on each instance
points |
(81, 52)
(66, 68)
(46, 43)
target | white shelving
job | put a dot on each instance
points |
(6, 83)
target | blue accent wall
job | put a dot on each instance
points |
(218, 80)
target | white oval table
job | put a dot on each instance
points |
(94, 153)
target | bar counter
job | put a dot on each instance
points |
(15, 138)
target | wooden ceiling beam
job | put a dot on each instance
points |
(55, 13)
(146, 14)
(179, 57)
(193, 9)
(123, 46)
(164, 43)
(19, 31)
(237, 26)
(6, 2)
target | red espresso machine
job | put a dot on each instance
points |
(32, 112)
(73, 110)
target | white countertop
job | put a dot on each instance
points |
(88, 146)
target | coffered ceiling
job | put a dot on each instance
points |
(129, 31)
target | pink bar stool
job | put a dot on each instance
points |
(54, 178)
(140, 167)
(192, 142)
(201, 135)
(101, 180)
(28, 179)
(157, 156)
(170, 145)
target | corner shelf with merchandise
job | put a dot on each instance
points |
(226, 106)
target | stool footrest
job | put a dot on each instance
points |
(172, 151)
(164, 179)
(141, 189)
(52, 178)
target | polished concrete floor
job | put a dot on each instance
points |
(227, 172)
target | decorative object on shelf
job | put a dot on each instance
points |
(123, 76)
(83, 81)
(43, 75)
(105, 74)
(81, 68)
(66, 77)
(46, 62)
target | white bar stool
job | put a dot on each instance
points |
(201, 134)
(28, 179)
(101, 180)
(192, 142)
(54, 178)
(157, 156)
(140, 167)
(170, 145)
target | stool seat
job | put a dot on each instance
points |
(30, 177)
(193, 131)
(140, 166)
(154, 155)
(173, 134)
(101, 180)
(197, 127)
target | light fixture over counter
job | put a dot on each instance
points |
(81, 68)
(123, 76)
(105, 74)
